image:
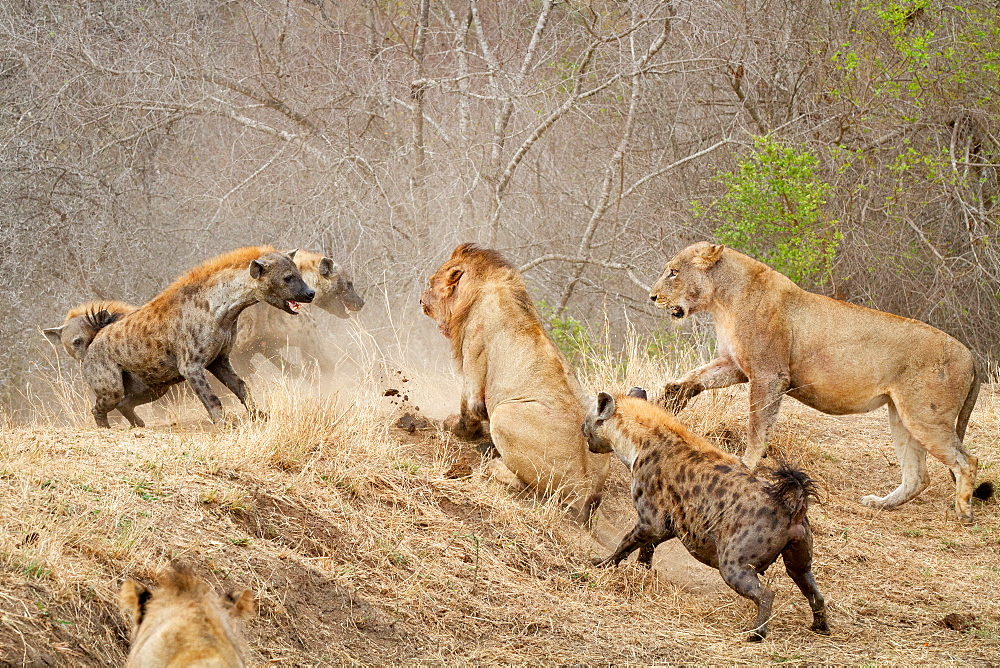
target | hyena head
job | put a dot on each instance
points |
(75, 336)
(686, 285)
(335, 291)
(279, 283)
(78, 331)
(594, 430)
(599, 434)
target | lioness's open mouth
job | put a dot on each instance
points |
(677, 311)
(293, 306)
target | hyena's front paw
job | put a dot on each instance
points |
(676, 396)
(646, 555)
(598, 562)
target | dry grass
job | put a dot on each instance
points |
(362, 549)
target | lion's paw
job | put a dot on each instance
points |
(873, 501)
(675, 397)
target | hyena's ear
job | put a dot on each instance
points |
(605, 406)
(292, 253)
(132, 599)
(256, 268)
(638, 393)
(53, 334)
(328, 268)
(708, 257)
(242, 605)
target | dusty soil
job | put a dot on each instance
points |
(370, 544)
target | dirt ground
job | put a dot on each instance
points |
(369, 544)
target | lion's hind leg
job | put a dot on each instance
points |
(912, 461)
(935, 432)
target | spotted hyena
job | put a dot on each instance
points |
(684, 487)
(81, 325)
(190, 327)
(269, 332)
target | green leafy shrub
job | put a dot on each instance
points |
(569, 334)
(771, 210)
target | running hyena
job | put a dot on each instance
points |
(727, 517)
(190, 327)
(268, 332)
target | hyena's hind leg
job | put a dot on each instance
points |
(109, 390)
(797, 556)
(138, 393)
(744, 581)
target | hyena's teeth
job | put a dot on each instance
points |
(295, 306)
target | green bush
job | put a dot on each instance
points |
(569, 334)
(771, 210)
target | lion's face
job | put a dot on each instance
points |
(441, 290)
(686, 286)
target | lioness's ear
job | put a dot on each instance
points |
(243, 606)
(451, 278)
(711, 255)
(256, 268)
(53, 334)
(328, 268)
(132, 599)
(605, 406)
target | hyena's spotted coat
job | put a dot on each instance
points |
(82, 324)
(686, 488)
(190, 327)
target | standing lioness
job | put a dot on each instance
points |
(836, 357)
(515, 377)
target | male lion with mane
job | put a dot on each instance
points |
(836, 357)
(515, 377)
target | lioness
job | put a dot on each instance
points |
(836, 357)
(184, 623)
(515, 377)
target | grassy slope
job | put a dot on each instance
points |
(362, 549)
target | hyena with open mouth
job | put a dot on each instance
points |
(190, 327)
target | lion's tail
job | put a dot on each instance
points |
(970, 402)
(793, 489)
(985, 490)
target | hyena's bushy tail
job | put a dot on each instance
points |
(793, 489)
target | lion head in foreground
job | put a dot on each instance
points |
(184, 622)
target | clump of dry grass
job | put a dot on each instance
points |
(362, 548)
